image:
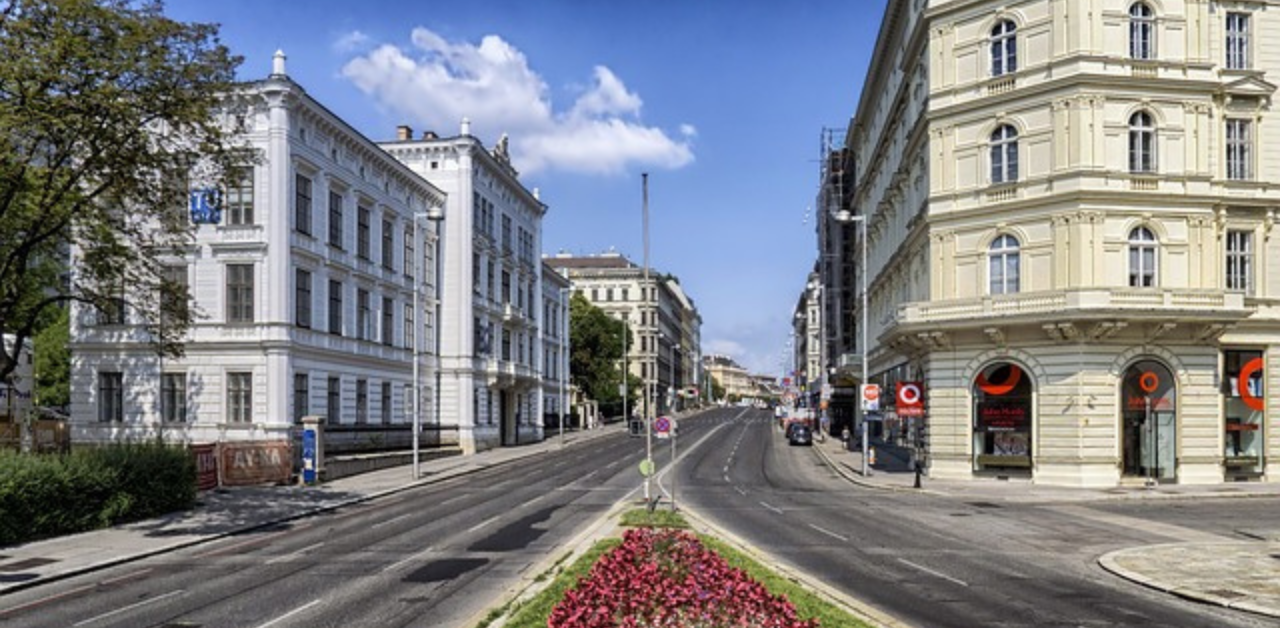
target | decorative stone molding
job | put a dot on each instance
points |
(995, 335)
(1106, 329)
(1211, 332)
(1156, 331)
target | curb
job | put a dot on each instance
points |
(458, 471)
(1110, 563)
(848, 474)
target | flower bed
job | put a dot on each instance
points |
(668, 578)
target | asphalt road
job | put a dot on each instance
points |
(933, 561)
(438, 555)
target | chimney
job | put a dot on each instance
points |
(404, 133)
(466, 127)
(277, 63)
(430, 135)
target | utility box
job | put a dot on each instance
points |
(312, 449)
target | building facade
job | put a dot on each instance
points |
(491, 354)
(1067, 212)
(305, 289)
(555, 346)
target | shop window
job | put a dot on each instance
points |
(1243, 406)
(1002, 417)
(1149, 410)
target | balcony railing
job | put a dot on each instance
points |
(1055, 303)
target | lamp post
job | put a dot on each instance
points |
(648, 431)
(436, 215)
(672, 406)
(564, 373)
(845, 216)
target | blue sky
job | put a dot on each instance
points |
(722, 102)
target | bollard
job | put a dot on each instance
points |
(871, 456)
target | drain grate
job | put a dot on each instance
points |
(983, 505)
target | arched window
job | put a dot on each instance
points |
(1004, 155)
(1142, 31)
(1004, 48)
(1142, 258)
(1002, 260)
(1142, 142)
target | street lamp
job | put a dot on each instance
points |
(564, 358)
(434, 214)
(845, 216)
(648, 419)
(674, 348)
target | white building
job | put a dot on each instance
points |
(492, 316)
(555, 346)
(305, 289)
(1068, 215)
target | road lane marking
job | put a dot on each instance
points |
(290, 613)
(483, 523)
(738, 488)
(773, 508)
(933, 573)
(830, 533)
(42, 601)
(130, 607)
(386, 521)
(451, 499)
(245, 543)
(406, 560)
(293, 555)
(126, 576)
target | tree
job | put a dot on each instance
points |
(109, 111)
(53, 362)
(595, 351)
(717, 391)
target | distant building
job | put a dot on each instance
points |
(732, 376)
(555, 346)
(664, 322)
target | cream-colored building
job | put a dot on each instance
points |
(1068, 211)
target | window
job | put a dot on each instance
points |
(1003, 263)
(1004, 155)
(1240, 261)
(388, 245)
(335, 219)
(302, 299)
(388, 320)
(625, 295)
(239, 293)
(362, 314)
(1004, 48)
(1142, 32)
(608, 294)
(1237, 41)
(173, 397)
(362, 232)
(301, 391)
(111, 397)
(335, 307)
(1142, 258)
(111, 309)
(386, 403)
(302, 204)
(489, 275)
(240, 198)
(506, 287)
(1239, 167)
(408, 326)
(1142, 143)
(410, 269)
(362, 401)
(475, 272)
(506, 233)
(174, 294)
(239, 397)
(334, 401)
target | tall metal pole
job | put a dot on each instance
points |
(648, 431)
(417, 346)
(564, 359)
(866, 470)
(626, 372)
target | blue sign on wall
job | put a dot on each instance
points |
(205, 208)
(309, 456)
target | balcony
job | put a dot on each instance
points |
(1134, 303)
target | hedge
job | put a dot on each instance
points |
(45, 495)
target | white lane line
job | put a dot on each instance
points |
(934, 573)
(726, 479)
(738, 488)
(126, 576)
(773, 508)
(830, 533)
(386, 521)
(290, 613)
(451, 499)
(130, 607)
(297, 554)
(612, 464)
(406, 560)
(483, 523)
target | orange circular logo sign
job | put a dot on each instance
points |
(1148, 382)
(1003, 388)
(871, 392)
(1242, 384)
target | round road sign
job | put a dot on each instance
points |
(646, 467)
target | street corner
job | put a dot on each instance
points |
(1242, 575)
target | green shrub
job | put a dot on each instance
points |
(46, 495)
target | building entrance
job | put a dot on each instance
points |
(1150, 422)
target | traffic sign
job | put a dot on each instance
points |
(871, 397)
(910, 397)
(646, 467)
(662, 427)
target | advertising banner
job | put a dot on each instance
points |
(262, 462)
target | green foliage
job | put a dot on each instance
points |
(53, 362)
(109, 110)
(49, 495)
(534, 613)
(808, 605)
(642, 518)
(717, 391)
(595, 351)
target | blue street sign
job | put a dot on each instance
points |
(309, 456)
(205, 208)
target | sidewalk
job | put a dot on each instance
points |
(1243, 575)
(227, 511)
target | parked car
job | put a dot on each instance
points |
(800, 435)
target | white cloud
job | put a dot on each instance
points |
(688, 130)
(349, 42)
(723, 346)
(436, 83)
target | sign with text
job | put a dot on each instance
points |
(206, 456)
(261, 462)
(871, 397)
(910, 399)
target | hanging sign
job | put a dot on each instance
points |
(910, 399)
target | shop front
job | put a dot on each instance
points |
(1149, 442)
(1003, 416)
(1243, 405)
